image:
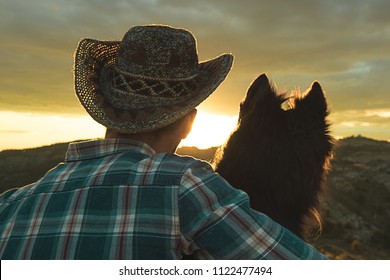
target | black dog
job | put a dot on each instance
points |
(280, 156)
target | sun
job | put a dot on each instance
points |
(210, 130)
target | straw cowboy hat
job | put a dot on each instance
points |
(148, 80)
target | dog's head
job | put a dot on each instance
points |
(299, 122)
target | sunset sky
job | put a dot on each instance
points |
(344, 44)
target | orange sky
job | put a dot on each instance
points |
(342, 44)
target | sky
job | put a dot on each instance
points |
(344, 44)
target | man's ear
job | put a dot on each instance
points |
(187, 123)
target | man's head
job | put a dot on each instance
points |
(149, 80)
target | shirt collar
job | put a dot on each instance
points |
(98, 148)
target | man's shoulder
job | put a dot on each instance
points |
(184, 161)
(14, 194)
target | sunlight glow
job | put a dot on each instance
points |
(27, 130)
(210, 130)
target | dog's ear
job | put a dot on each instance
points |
(259, 86)
(313, 102)
(260, 94)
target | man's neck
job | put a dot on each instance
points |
(159, 143)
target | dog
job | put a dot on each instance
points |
(280, 156)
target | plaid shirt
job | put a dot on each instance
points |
(118, 199)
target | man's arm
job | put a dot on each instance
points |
(218, 223)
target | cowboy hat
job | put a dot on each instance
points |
(148, 80)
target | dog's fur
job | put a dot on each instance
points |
(280, 156)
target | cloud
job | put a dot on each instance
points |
(343, 44)
(371, 123)
(385, 113)
(379, 118)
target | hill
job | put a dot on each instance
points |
(356, 208)
(22, 167)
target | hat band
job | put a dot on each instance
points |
(125, 73)
(130, 93)
(136, 115)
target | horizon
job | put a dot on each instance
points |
(179, 147)
(342, 44)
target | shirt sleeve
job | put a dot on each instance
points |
(217, 223)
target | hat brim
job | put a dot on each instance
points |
(92, 57)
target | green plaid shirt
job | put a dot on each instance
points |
(118, 199)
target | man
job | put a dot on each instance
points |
(129, 196)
